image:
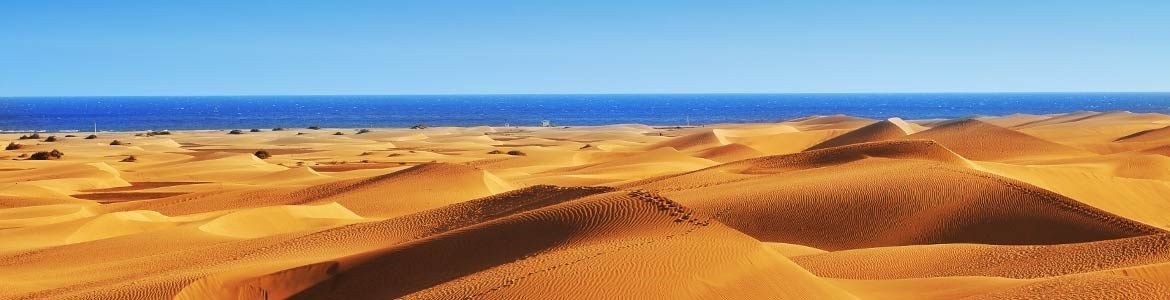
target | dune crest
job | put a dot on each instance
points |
(979, 140)
(626, 238)
(888, 129)
(265, 221)
(1151, 135)
(1062, 206)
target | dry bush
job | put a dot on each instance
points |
(46, 155)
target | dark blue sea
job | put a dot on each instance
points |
(226, 112)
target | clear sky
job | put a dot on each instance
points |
(56, 48)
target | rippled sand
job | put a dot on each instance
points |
(1071, 206)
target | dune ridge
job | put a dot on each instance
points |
(888, 129)
(1062, 206)
(979, 140)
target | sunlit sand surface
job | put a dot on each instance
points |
(1069, 206)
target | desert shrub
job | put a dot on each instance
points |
(365, 153)
(419, 126)
(338, 133)
(365, 161)
(13, 146)
(497, 151)
(51, 139)
(154, 133)
(35, 136)
(46, 155)
(278, 129)
(236, 131)
(70, 135)
(90, 137)
(254, 130)
(363, 130)
(517, 153)
(587, 146)
(115, 143)
(129, 159)
(262, 154)
(315, 127)
(394, 154)
(301, 133)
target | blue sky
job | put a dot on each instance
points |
(61, 48)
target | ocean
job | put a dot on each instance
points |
(243, 112)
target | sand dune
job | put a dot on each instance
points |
(1009, 261)
(979, 140)
(1059, 119)
(1012, 120)
(212, 167)
(179, 257)
(892, 128)
(730, 152)
(68, 178)
(829, 122)
(415, 189)
(300, 175)
(627, 237)
(1159, 150)
(701, 140)
(1066, 206)
(758, 191)
(1140, 199)
(266, 221)
(640, 165)
(1151, 135)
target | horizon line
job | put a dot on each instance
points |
(585, 94)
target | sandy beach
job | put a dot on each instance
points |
(1066, 206)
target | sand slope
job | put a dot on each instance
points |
(1151, 135)
(1064, 206)
(880, 131)
(979, 140)
(625, 237)
(815, 210)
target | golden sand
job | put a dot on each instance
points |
(1070, 206)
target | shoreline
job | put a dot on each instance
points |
(655, 126)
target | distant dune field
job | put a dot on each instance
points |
(1068, 206)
